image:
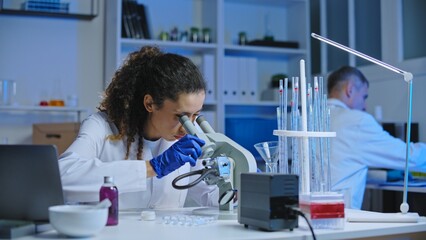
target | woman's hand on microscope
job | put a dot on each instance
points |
(186, 150)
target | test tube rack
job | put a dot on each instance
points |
(324, 208)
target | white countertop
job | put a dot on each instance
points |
(132, 227)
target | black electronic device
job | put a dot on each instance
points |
(267, 200)
(398, 130)
(30, 182)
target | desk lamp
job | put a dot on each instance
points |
(408, 77)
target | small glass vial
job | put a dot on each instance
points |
(184, 36)
(207, 35)
(164, 36)
(194, 35)
(242, 38)
(110, 191)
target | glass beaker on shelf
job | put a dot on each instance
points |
(56, 97)
(7, 92)
(269, 152)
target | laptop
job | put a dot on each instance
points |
(29, 182)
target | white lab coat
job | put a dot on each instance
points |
(92, 156)
(360, 143)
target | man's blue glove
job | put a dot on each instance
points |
(187, 149)
(397, 175)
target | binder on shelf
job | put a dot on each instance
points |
(247, 78)
(240, 79)
(146, 32)
(134, 20)
(125, 32)
(230, 79)
(243, 78)
(252, 80)
(127, 20)
(208, 70)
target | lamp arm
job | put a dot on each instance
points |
(408, 77)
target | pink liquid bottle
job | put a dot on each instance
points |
(110, 191)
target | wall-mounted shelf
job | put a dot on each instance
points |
(47, 14)
(44, 109)
(169, 45)
(78, 9)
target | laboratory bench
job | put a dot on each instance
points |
(132, 227)
(388, 198)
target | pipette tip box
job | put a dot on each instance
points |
(325, 210)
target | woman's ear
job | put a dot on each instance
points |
(148, 102)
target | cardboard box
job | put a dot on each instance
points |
(59, 134)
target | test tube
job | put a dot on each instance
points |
(312, 160)
(279, 118)
(280, 141)
(280, 122)
(279, 110)
(317, 119)
(325, 170)
(321, 87)
(328, 174)
(294, 125)
(282, 125)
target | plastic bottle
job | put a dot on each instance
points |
(110, 191)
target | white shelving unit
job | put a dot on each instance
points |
(287, 20)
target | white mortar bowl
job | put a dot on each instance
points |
(78, 220)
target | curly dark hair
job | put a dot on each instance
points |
(147, 71)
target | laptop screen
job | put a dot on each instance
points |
(29, 181)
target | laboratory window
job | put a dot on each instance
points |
(414, 32)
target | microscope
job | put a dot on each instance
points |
(223, 159)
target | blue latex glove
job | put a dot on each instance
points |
(187, 149)
(397, 175)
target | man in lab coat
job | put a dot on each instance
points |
(361, 141)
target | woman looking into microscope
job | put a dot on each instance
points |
(137, 138)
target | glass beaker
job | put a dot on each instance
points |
(7, 92)
(269, 152)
